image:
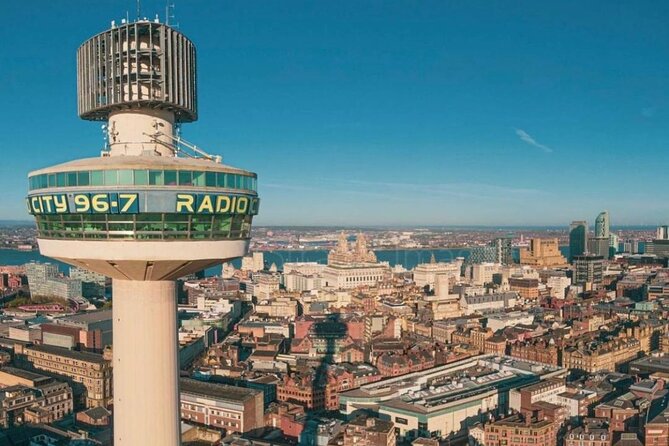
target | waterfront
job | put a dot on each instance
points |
(408, 258)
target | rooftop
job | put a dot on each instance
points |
(218, 391)
(25, 374)
(86, 318)
(433, 388)
(373, 424)
(139, 162)
(72, 354)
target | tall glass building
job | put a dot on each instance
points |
(578, 238)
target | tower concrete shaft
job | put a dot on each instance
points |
(146, 380)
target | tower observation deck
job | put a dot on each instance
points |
(151, 209)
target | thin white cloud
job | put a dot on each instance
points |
(390, 190)
(648, 112)
(525, 137)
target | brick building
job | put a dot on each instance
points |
(657, 430)
(539, 350)
(518, 430)
(594, 432)
(369, 432)
(90, 370)
(623, 412)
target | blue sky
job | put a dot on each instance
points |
(384, 112)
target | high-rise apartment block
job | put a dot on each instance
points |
(602, 229)
(44, 280)
(660, 245)
(600, 244)
(499, 250)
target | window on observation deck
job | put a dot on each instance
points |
(111, 177)
(125, 177)
(149, 226)
(170, 177)
(185, 178)
(97, 178)
(210, 179)
(156, 177)
(143, 177)
(198, 179)
(83, 178)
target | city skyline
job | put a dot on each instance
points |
(477, 114)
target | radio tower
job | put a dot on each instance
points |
(150, 209)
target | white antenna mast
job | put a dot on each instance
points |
(169, 12)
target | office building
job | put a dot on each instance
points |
(600, 247)
(488, 303)
(93, 285)
(296, 281)
(542, 253)
(220, 406)
(85, 331)
(425, 273)
(480, 274)
(264, 285)
(614, 241)
(498, 321)
(632, 246)
(152, 208)
(39, 273)
(662, 232)
(523, 399)
(588, 270)
(578, 238)
(302, 276)
(526, 288)
(253, 263)
(258, 261)
(660, 245)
